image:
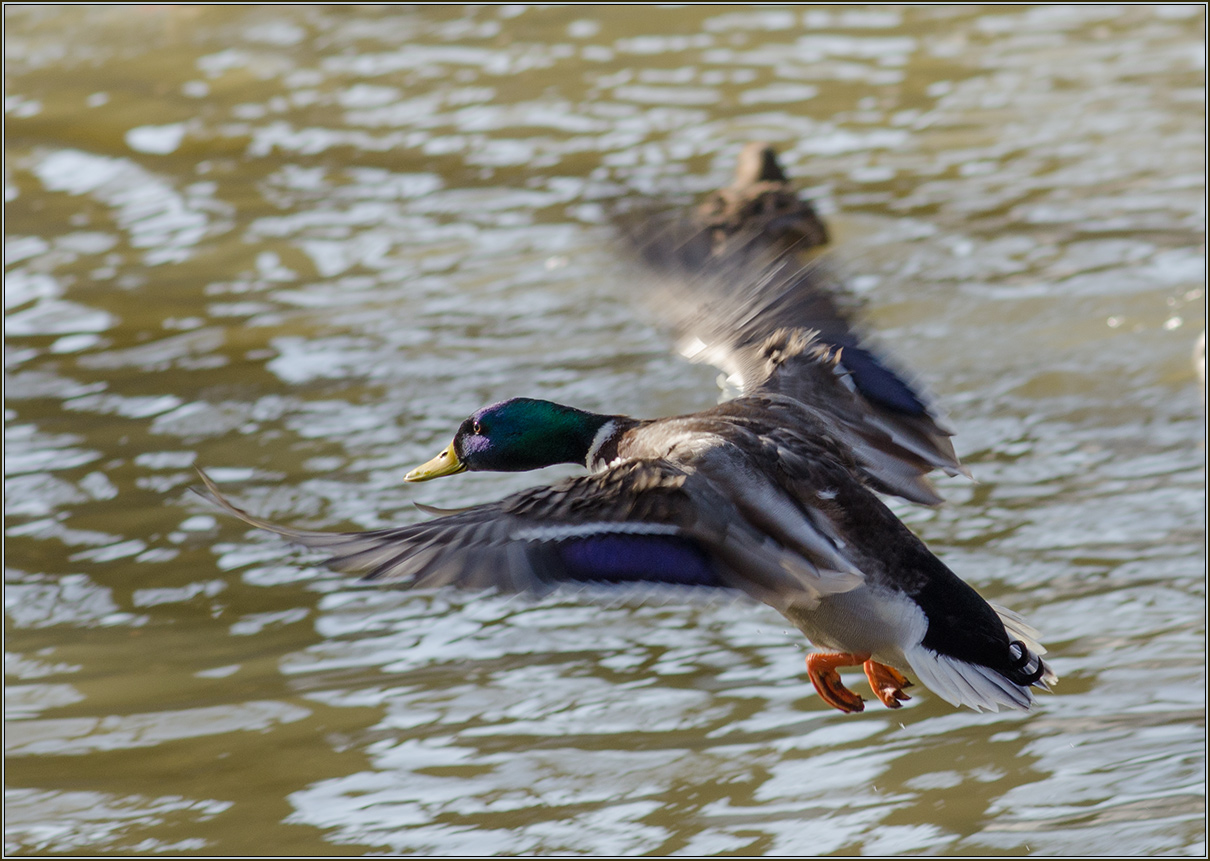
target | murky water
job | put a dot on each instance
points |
(298, 245)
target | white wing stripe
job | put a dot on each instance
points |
(560, 532)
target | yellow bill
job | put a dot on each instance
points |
(446, 463)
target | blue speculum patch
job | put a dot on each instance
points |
(637, 559)
(878, 382)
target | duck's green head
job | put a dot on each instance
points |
(516, 435)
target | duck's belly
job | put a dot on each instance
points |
(880, 622)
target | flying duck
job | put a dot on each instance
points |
(766, 495)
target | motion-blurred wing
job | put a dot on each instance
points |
(759, 208)
(773, 325)
(643, 522)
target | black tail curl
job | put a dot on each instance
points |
(1020, 661)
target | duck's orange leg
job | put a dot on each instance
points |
(821, 669)
(887, 682)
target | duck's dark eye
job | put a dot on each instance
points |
(476, 427)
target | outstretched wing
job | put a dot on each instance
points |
(775, 326)
(642, 522)
(896, 451)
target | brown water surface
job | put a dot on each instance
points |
(296, 245)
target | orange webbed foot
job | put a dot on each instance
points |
(888, 683)
(821, 669)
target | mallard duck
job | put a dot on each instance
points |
(761, 495)
(760, 205)
(752, 495)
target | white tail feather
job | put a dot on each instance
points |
(965, 684)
